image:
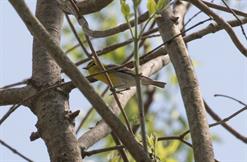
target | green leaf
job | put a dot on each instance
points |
(151, 6)
(161, 4)
(136, 3)
(125, 9)
(171, 149)
(171, 160)
(173, 79)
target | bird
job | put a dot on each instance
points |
(121, 77)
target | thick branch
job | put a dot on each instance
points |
(90, 6)
(52, 106)
(15, 95)
(189, 87)
(113, 30)
(180, 10)
(102, 129)
(85, 6)
(80, 81)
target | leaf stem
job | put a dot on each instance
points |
(138, 82)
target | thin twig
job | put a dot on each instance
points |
(88, 113)
(9, 112)
(14, 107)
(175, 138)
(223, 8)
(75, 46)
(25, 81)
(72, 48)
(121, 151)
(212, 28)
(106, 50)
(114, 30)
(112, 88)
(15, 151)
(77, 36)
(147, 105)
(229, 117)
(82, 22)
(181, 33)
(156, 48)
(138, 81)
(182, 135)
(97, 151)
(190, 19)
(40, 33)
(227, 27)
(236, 16)
(219, 122)
(225, 125)
(111, 47)
(83, 120)
(226, 96)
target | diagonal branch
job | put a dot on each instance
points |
(113, 30)
(212, 28)
(236, 16)
(95, 55)
(227, 27)
(89, 6)
(224, 124)
(25, 81)
(40, 33)
(15, 151)
(158, 51)
(77, 36)
(102, 129)
(223, 8)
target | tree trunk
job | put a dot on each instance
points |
(52, 107)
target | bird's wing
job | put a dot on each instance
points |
(120, 69)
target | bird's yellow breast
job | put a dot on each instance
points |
(102, 77)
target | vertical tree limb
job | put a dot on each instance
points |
(52, 107)
(180, 9)
(189, 86)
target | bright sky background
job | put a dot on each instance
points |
(222, 69)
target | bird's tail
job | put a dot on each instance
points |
(148, 81)
(158, 84)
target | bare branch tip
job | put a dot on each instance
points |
(34, 136)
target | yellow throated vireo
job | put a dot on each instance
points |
(121, 77)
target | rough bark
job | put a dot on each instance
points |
(189, 86)
(84, 86)
(84, 6)
(180, 10)
(52, 107)
(15, 95)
